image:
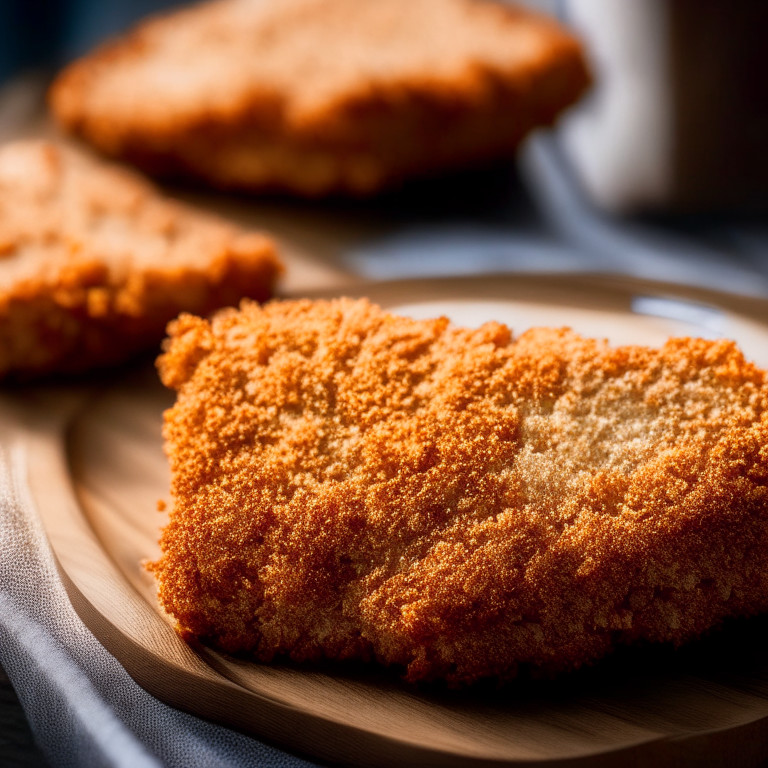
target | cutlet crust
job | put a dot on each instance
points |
(352, 484)
(322, 96)
(94, 262)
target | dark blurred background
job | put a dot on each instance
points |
(661, 172)
(677, 121)
(48, 33)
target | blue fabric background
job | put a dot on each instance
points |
(48, 33)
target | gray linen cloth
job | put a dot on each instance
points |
(83, 707)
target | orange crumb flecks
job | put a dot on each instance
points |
(318, 97)
(94, 261)
(352, 484)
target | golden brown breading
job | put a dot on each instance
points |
(351, 484)
(94, 262)
(322, 96)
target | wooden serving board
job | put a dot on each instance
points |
(96, 470)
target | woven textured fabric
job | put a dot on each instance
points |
(83, 707)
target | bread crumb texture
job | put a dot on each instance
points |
(94, 262)
(349, 484)
(322, 96)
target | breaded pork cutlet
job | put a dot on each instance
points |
(322, 96)
(94, 262)
(348, 484)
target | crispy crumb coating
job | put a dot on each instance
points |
(322, 96)
(351, 484)
(94, 262)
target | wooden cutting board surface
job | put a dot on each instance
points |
(97, 470)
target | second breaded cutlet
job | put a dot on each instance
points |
(317, 97)
(94, 261)
(349, 484)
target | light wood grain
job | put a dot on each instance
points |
(97, 471)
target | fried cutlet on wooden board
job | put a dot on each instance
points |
(349, 484)
(94, 262)
(322, 96)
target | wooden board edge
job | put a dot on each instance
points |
(595, 285)
(226, 702)
(705, 744)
